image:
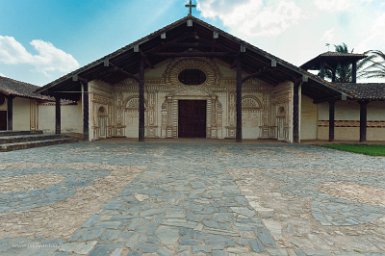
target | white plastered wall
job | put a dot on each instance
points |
(21, 114)
(309, 117)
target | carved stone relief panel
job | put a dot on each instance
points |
(251, 117)
(169, 127)
(207, 66)
(231, 113)
(131, 116)
(281, 101)
(100, 96)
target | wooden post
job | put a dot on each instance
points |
(238, 105)
(10, 112)
(332, 106)
(354, 72)
(141, 99)
(296, 112)
(57, 115)
(363, 120)
(322, 70)
(85, 100)
(334, 74)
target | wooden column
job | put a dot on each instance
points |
(85, 100)
(141, 99)
(363, 120)
(238, 105)
(354, 72)
(10, 112)
(57, 116)
(296, 112)
(322, 70)
(334, 74)
(332, 106)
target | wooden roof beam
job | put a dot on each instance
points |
(146, 60)
(77, 78)
(325, 99)
(193, 54)
(256, 74)
(114, 67)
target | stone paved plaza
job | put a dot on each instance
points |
(120, 197)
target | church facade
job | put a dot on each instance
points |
(174, 109)
(192, 80)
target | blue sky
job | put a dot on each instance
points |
(41, 40)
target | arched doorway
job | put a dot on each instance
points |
(131, 118)
(281, 123)
(252, 117)
(102, 122)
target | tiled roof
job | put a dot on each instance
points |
(363, 91)
(330, 58)
(342, 54)
(12, 87)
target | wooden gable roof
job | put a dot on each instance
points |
(186, 37)
(11, 87)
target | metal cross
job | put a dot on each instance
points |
(190, 5)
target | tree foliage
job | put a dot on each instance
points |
(373, 65)
(343, 71)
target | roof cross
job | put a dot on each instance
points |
(190, 5)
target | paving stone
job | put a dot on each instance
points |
(202, 198)
(79, 248)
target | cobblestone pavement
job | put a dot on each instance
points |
(190, 198)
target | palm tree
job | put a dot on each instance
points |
(373, 65)
(343, 71)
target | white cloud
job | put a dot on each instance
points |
(374, 37)
(333, 5)
(329, 37)
(253, 17)
(340, 5)
(48, 59)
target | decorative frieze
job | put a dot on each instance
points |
(352, 123)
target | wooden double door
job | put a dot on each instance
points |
(192, 118)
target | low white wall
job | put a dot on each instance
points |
(347, 117)
(71, 118)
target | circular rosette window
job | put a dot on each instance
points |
(192, 76)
